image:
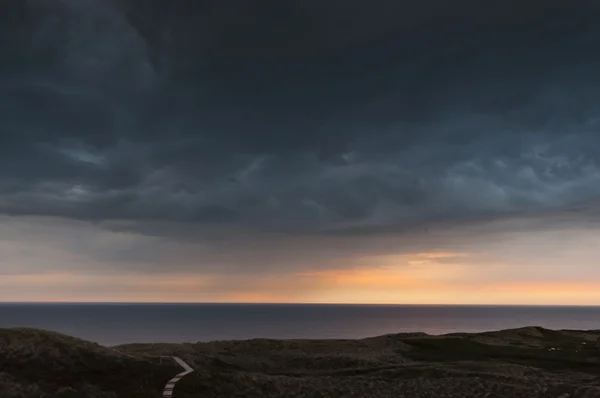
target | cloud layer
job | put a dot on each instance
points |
(298, 116)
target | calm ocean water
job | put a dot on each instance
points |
(112, 324)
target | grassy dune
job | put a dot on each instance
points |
(528, 362)
(42, 364)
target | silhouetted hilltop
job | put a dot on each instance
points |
(525, 362)
(43, 364)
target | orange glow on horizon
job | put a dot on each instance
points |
(390, 280)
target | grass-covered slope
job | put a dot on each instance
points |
(42, 364)
(530, 362)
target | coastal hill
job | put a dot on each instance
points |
(527, 362)
(43, 364)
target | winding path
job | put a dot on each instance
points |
(168, 393)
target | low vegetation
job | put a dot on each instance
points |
(42, 364)
(530, 362)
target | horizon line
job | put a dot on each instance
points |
(295, 304)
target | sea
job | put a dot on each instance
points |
(115, 323)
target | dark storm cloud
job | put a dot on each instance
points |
(298, 115)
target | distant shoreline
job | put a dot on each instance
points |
(120, 323)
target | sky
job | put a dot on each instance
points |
(304, 151)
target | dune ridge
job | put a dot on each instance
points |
(526, 362)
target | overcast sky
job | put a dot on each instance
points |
(300, 151)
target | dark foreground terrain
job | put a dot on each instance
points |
(528, 362)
